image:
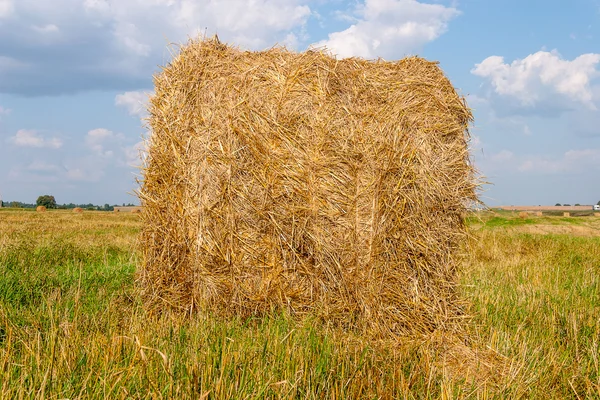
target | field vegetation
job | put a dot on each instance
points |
(72, 325)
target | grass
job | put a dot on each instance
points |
(72, 326)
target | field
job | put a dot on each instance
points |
(72, 325)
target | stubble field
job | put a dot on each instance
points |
(72, 325)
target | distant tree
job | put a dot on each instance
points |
(567, 205)
(577, 204)
(14, 204)
(598, 203)
(47, 201)
(557, 204)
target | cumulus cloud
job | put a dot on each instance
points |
(9, 64)
(101, 141)
(116, 45)
(135, 103)
(390, 29)
(502, 156)
(543, 80)
(43, 167)
(475, 142)
(136, 154)
(570, 161)
(88, 169)
(31, 138)
(6, 8)
(49, 28)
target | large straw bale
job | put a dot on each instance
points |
(277, 179)
(40, 209)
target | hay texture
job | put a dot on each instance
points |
(40, 209)
(78, 210)
(290, 180)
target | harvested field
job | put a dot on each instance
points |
(68, 296)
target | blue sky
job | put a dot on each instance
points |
(75, 74)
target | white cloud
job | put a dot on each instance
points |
(136, 103)
(101, 140)
(475, 142)
(99, 134)
(475, 101)
(543, 79)
(570, 161)
(42, 166)
(502, 156)
(123, 41)
(114, 149)
(98, 6)
(77, 174)
(390, 29)
(128, 35)
(6, 8)
(31, 138)
(84, 170)
(9, 63)
(4, 111)
(135, 154)
(49, 28)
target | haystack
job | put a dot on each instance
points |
(78, 210)
(289, 180)
(40, 209)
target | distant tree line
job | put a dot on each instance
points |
(49, 202)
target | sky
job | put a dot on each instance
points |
(75, 76)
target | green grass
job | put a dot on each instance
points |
(536, 300)
(72, 326)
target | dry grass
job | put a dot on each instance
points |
(73, 326)
(93, 229)
(297, 181)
